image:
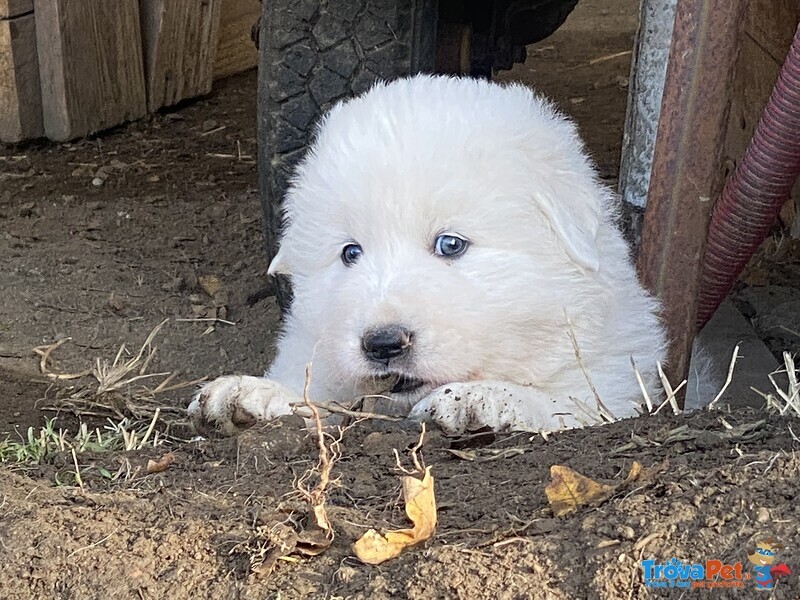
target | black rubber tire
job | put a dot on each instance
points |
(313, 53)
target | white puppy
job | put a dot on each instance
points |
(446, 238)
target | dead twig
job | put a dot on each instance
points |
(338, 409)
(601, 407)
(206, 319)
(419, 468)
(93, 544)
(784, 401)
(607, 57)
(728, 379)
(45, 352)
(671, 400)
(647, 401)
(327, 456)
(112, 376)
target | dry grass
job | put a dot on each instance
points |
(120, 388)
(784, 401)
(599, 413)
(671, 392)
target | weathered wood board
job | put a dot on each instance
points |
(15, 8)
(90, 65)
(20, 95)
(765, 38)
(236, 51)
(180, 44)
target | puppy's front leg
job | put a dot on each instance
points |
(232, 403)
(461, 407)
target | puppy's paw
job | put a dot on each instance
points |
(233, 403)
(461, 407)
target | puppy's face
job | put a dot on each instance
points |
(428, 244)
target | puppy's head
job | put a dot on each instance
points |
(434, 230)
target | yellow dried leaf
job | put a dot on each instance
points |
(636, 471)
(374, 548)
(568, 490)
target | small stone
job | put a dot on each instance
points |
(26, 210)
(762, 515)
(97, 182)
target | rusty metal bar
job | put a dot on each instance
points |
(687, 171)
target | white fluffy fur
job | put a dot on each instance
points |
(417, 157)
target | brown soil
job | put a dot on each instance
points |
(104, 264)
(190, 531)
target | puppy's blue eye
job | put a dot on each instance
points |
(449, 245)
(351, 253)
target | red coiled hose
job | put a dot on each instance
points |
(756, 191)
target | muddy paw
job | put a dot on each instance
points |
(233, 403)
(472, 406)
(449, 407)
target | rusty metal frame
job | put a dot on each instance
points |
(687, 171)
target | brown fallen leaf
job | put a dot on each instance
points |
(568, 490)
(374, 548)
(318, 534)
(157, 466)
(313, 540)
(636, 471)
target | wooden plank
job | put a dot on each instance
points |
(180, 44)
(236, 51)
(756, 73)
(20, 95)
(769, 26)
(90, 64)
(15, 8)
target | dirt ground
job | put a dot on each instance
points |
(103, 239)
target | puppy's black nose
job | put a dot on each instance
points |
(384, 344)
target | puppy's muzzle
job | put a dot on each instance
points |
(385, 344)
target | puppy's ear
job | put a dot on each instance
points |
(279, 264)
(574, 215)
